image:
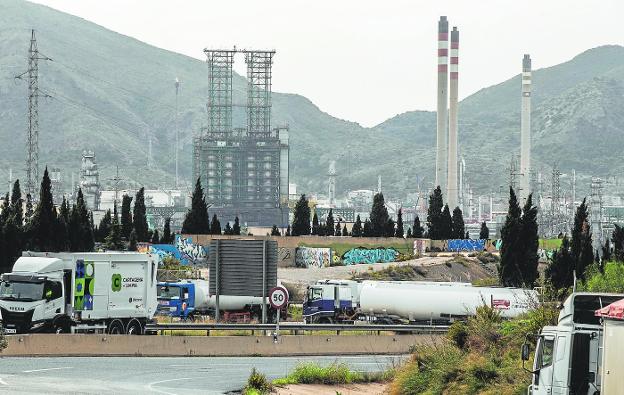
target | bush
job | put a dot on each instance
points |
(257, 383)
(392, 273)
(612, 280)
(458, 334)
(487, 257)
(3, 341)
(312, 373)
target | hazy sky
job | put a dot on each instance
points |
(367, 60)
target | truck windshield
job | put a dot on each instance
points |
(315, 294)
(24, 291)
(168, 292)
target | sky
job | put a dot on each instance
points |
(367, 60)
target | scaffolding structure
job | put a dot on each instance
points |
(244, 171)
(596, 212)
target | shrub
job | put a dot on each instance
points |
(257, 383)
(312, 373)
(611, 280)
(3, 341)
(458, 334)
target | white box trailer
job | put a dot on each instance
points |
(62, 292)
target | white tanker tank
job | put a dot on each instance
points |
(436, 301)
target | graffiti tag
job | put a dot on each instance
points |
(313, 257)
(369, 255)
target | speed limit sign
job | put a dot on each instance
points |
(278, 297)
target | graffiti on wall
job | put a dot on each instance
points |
(457, 245)
(421, 246)
(183, 250)
(369, 255)
(313, 257)
(285, 257)
(493, 245)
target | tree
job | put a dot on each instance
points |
(484, 233)
(399, 232)
(417, 230)
(215, 225)
(275, 231)
(196, 221)
(606, 252)
(345, 232)
(617, 237)
(104, 226)
(236, 229)
(379, 217)
(126, 217)
(16, 210)
(29, 209)
(446, 224)
(367, 229)
(467, 235)
(113, 241)
(329, 223)
(529, 243)
(13, 228)
(288, 232)
(228, 229)
(315, 224)
(338, 229)
(559, 272)
(409, 233)
(155, 239)
(458, 228)
(132, 242)
(139, 216)
(509, 270)
(80, 229)
(301, 218)
(581, 245)
(356, 231)
(434, 215)
(43, 225)
(167, 237)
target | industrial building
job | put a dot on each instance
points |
(244, 171)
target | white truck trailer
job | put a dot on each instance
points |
(67, 292)
(569, 357)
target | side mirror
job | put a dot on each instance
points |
(525, 352)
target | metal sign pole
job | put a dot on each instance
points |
(275, 338)
(264, 283)
(217, 281)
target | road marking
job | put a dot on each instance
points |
(43, 370)
(150, 385)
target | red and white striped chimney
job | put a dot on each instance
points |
(441, 135)
(452, 190)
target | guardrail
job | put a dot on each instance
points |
(299, 327)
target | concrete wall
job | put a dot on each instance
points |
(125, 345)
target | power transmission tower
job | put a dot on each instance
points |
(555, 200)
(32, 138)
(177, 133)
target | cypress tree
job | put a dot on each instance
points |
(606, 252)
(356, 231)
(104, 227)
(581, 245)
(389, 231)
(417, 230)
(215, 225)
(17, 213)
(559, 272)
(6, 209)
(44, 219)
(139, 217)
(367, 229)
(197, 221)
(529, 243)
(13, 232)
(329, 223)
(467, 235)
(301, 218)
(167, 237)
(338, 229)
(236, 229)
(446, 224)
(82, 225)
(126, 217)
(379, 217)
(509, 269)
(409, 233)
(29, 209)
(228, 229)
(155, 237)
(399, 225)
(434, 215)
(345, 232)
(459, 229)
(132, 242)
(484, 233)
(113, 241)
(617, 237)
(315, 224)
(288, 232)
(275, 231)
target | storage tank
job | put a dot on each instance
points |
(440, 301)
(202, 294)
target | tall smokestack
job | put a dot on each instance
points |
(525, 129)
(451, 186)
(442, 101)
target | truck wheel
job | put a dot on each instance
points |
(134, 327)
(116, 327)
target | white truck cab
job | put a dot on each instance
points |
(568, 356)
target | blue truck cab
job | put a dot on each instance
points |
(176, 299)
(330, 301)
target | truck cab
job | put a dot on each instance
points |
(568, 356)
(35, 297)
(176, 299)
(330, 301)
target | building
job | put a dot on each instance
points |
(90, 180)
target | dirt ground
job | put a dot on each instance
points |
(319, 389)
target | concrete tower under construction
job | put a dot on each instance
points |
(525, 129)
(451, 186)
(441, 144)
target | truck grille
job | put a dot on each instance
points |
(20, 320)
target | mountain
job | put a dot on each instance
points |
(113, 94)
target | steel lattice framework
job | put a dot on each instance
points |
(259, 91)
(220, 89)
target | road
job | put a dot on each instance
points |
(93, 375)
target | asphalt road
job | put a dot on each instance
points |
(101, 375)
